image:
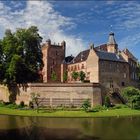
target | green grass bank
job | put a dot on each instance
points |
(61, 113)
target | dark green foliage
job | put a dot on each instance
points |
(31, 105)
(20, 56)
(98, 108)
(107, 102)
(82, 75)
(86, 105)
(75, 75)
(53, 76)
(132, 95)
(119, 106)
(22, 104)
(65, 76)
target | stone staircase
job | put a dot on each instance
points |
(115, 96)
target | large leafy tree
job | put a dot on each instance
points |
(1, 63)
(21, 57)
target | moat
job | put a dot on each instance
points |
(41, 128)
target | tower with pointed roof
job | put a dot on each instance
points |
(112, 46)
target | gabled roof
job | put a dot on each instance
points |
(109, 56)
(68, 59)
(82, 56)
(102, 47)
(103, 55)
(129, 54)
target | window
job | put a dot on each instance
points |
(111, 83)
(124, 75)
(51, 70)
(78, 67)
(71, 68)
(75, 67)
(110, 65)
(123, 84)
(53, 62)
(102, 64)
(56, 53)
(82, 66)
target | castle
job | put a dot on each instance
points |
(107, 70)
(106, 64)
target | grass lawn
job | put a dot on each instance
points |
(104, 113)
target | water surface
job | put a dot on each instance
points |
(41, 128)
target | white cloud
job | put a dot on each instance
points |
(130, 41)
(50, 23)
(126, 15)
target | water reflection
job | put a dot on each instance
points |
(39, 128)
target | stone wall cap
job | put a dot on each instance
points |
(63, 84)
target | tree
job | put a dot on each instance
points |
(21, 56)
(82, 75)
(2, 71)
(53, 76)
(132, 95)
(65, 76)
(75, 75)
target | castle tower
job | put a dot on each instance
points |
(53, 56)
(112, 46)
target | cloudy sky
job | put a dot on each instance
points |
(79, 23)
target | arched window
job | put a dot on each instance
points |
(82, 66)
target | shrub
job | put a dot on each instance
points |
(21, 105)
(12, 106)
(65, 76)
(75, 75)
(31, 105)
(82, 75)
(118, 106)
(107, 102)
(86, 105)
(53, 76)
(98, 108)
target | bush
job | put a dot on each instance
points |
(98, 108)
(21, 105)
(107, 102)
(86, 105)
(31, 105)
(12, 106)
(132, 95)
(119, 106)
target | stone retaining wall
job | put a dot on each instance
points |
(61, 94)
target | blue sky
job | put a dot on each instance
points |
(79, 23)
